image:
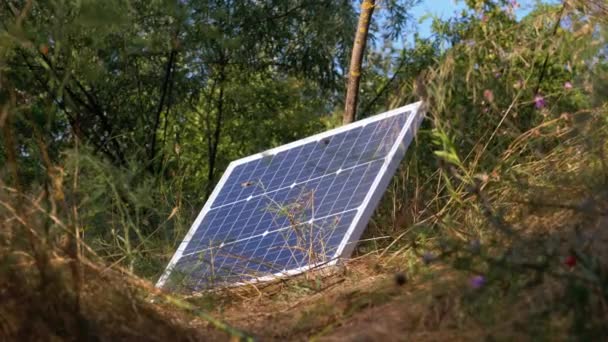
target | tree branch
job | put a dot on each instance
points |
(544, 67)
(213, 148)
(161, 104)
(368, 107)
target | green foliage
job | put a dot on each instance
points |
(142, 104)
(127, 217)
(118, 117)
(520, 137)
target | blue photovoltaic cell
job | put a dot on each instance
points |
(267, 254)
(312, 160)
(287, 210)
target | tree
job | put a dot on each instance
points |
(159, 97)
(356, 59)
(390, 25)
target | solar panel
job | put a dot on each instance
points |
(294, 207)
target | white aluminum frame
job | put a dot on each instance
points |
(365, 210)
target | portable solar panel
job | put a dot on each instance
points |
(294, 207)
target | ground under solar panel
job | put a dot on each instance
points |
(295, 207)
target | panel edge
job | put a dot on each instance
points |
(334, 131)
(195, 225)
(378, 188)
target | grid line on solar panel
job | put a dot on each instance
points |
(278, 247)
(274, 190)
(295, 249)
(321, 210)
(322, 199)
(256, 220)
(345, 176)
(263, 234)
(289, 195)
(265, 162)
(378, 141)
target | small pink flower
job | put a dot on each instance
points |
(570, 261)
(539, 101)
(568, 85)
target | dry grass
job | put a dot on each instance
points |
(47, 294)
(111, 306)
(362, 301)
(557, 211)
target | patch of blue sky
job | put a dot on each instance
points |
(424, 13)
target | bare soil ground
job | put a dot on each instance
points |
(360, 302)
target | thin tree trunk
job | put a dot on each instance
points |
(354, 76)
(161, 104)
(216, 134)
(10, 144)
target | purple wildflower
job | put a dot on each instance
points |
(568, 85)
(428, 257)
(566, 22)
(475, 246)
(477, 281)
(539, 101)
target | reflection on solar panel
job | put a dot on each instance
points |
(294, 207)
